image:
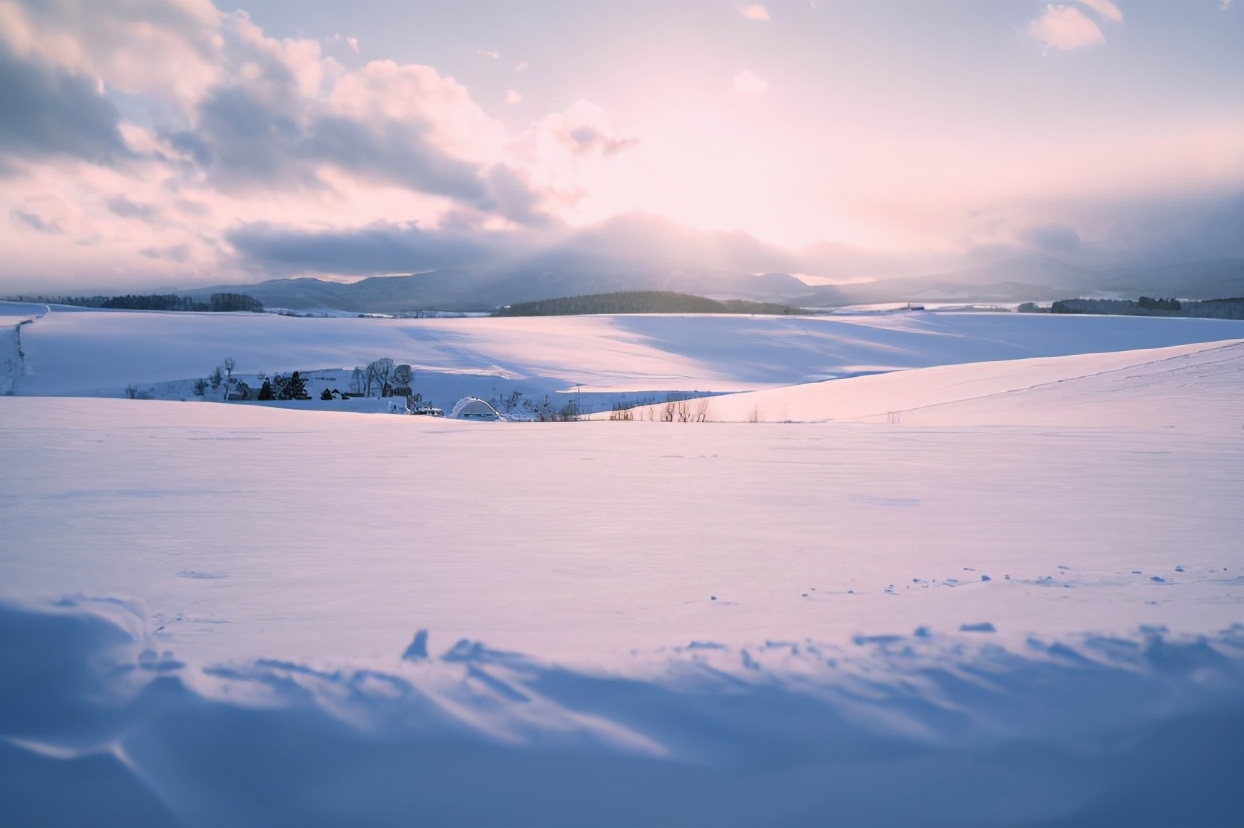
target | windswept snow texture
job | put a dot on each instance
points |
(889, 730)
(972, 594)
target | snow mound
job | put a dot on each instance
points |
(917, 729)
(1082, 389)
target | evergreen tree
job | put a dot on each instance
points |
(294, 388)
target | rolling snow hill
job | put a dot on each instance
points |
(965, 592)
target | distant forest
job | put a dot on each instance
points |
(1145, 306)
(217, 302)
(639, 301)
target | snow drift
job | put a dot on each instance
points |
(917, 729)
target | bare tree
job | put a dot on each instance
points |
(228, 366)
(379, 372)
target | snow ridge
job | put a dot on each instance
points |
(901, 729)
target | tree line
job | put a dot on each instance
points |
(1145, 306)
(639, 301)
(216, 302)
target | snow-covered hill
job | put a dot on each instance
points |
(605, 359)
(981, 593)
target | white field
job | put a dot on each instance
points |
(979, 593)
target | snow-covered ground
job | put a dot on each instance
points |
(603, 359)
(977, 593)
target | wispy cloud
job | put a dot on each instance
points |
(587, 138)
(1105, 8)
(351, 42)
(36, 222)
(749, 84)
(521, 66)
(755, 11)
(1065, 27)
(513, 97)
(490, 53)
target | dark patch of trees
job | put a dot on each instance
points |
(1148, 306)
(639, 301)
(284, 387)
(217, 302)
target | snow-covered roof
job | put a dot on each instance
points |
(473, 408)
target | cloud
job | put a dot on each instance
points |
(122, 206)
(587, 138)
(1105, 8)
(381, 247)
(179, 253)
(46, 110)
(387, 124)
(755, 11)
(490, 53)
(159, 128)
(522, 66)
(35, 222)
(1051, 238)
(1065, 27)
(352, 43)
(510, 195)
(513, 97)
(749, 84)
(167, 48)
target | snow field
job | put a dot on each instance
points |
(611, 358)
(987, 593)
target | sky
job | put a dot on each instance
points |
(179, 143)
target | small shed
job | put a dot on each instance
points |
(473, 408)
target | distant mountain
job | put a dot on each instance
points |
(634, 251)
(1043, 279)
(467, 290)
(1216, 279)
(640, 301)
(639, 251)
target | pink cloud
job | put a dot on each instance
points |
(1065, 27)
(749, 84)
(755, 11)
(1105, 8)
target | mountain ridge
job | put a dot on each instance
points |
(1016, 280)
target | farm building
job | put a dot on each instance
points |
(473, 408)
